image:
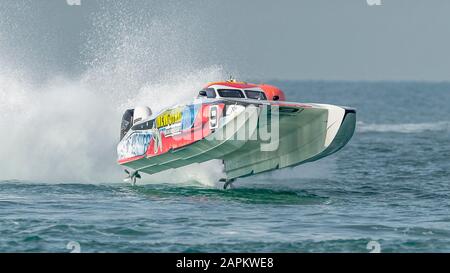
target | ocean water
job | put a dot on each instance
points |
(390, 184)
(67, 73)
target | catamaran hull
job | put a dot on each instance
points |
(250, 138)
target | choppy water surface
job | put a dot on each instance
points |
(390, 184)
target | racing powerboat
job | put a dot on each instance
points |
(250, 127)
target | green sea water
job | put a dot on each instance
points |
(390, 184)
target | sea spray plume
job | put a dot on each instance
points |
(65, 129)
(56, 133)
(152, 60)
(136, 44)
(52, 133)
(47, 125)
(177, 89)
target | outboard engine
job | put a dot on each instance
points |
(132, 116)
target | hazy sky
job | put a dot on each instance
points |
(267, 39)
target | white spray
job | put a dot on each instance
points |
(66, 129)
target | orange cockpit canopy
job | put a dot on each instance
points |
(271, 92)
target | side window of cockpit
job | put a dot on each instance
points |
(210, 93)
(255, 95)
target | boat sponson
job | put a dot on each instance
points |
(307, 136)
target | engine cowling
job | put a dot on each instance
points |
(141, 113)
(131, 117)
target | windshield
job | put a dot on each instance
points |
(230, 93)
(256, 95)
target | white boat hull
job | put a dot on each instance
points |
(305, 132)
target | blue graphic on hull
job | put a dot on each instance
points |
(135, 145)
(189, 114)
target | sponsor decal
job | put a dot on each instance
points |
(173, 128)
(168, 118)
(157, 142)
(135, 145)
(169, 122)
(213, 120)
